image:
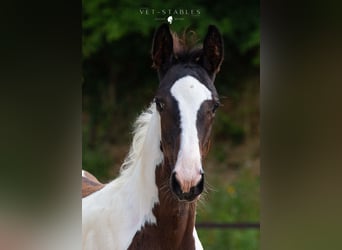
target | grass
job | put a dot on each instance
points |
(231, 201)
(227, 239)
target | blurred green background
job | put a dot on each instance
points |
(118, 83)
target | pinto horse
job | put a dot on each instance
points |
(152, 204)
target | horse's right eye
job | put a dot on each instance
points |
(160, 105)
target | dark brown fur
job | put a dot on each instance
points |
(175, 220)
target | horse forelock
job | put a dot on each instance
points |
(187, 42)
(185, 46)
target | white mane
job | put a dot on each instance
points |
(139, 134)
(112, 216)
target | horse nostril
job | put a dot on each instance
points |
(176, 188)
(198, 189)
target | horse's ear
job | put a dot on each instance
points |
(162, 47)
(212, 50)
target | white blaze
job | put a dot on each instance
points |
(190, 94)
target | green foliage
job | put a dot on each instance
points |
(226, 128)
(96, 162)
(218, 239)
(236, 201)
(106, 21)
(94, 159)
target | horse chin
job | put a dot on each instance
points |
(191, 200)
(187, 197)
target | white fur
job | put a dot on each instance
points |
(198, 244)
(190, 94)
(112, 216)
(83, 173)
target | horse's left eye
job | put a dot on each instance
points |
(215, 106)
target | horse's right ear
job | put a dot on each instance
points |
(162, 47)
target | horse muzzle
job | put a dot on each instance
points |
(187, 190)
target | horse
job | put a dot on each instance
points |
(152, 204)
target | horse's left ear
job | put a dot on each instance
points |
(212, 50)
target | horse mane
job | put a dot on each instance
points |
(140, 129)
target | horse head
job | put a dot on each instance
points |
(186, 100)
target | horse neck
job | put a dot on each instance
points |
(168, 222)
(173, 216)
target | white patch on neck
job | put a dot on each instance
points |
(190, 94)
(198, 244)
(112, 216)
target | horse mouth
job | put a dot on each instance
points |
(187, 197)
